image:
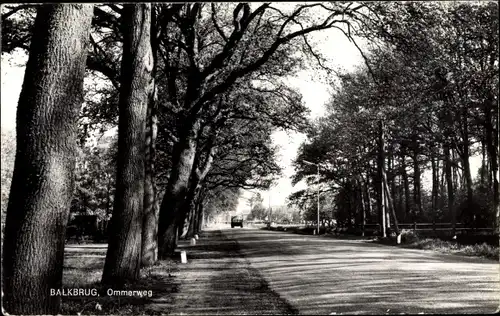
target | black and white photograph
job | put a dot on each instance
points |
(250, 158)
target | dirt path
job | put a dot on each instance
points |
(217, 280)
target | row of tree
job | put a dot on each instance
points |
(425, 103)
(196, 90)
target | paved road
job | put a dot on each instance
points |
(321, 275)
(218, 280)
(251, 271)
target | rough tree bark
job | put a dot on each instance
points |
(149, 252)
(192, 221)
(150, 221)
(42, 182)
(124, 249)
(200, 211)
(175, 194)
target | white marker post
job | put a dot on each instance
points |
(193, 242)
(183, 257)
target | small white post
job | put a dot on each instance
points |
(398, 239)
(196, 237)
(193, 242)
(183, 257)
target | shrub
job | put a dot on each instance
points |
(409, 236)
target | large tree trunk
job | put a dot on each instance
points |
(42, 182)
(188, 213)
(150, 221)
(171, 210)
(149, 247)
(192, 206)
(124, 249)
(203, 218)
(200, 211)
(199, 218)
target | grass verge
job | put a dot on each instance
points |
(410, 239)
(83, 270)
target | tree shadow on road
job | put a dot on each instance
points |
(324, 275)
(226, 283)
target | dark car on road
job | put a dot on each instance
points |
(236, 221)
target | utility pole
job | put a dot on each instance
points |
(317, 166)
(381, 161)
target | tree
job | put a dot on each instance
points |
(124, 248)
(424, 63)
(258, 38)
(42, 182)
(150, 221)
(95, 179)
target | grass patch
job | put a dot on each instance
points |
(83, 270)
(410, 239)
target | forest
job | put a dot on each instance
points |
(157, 115)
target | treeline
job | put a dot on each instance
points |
(195, 90)
(426, 103)
(277, 213)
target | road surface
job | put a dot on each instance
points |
(252, 271)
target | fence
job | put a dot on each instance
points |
(437, 228)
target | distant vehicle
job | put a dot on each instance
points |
(236, 221)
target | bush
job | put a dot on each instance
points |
(409, 236)
(482, 250)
